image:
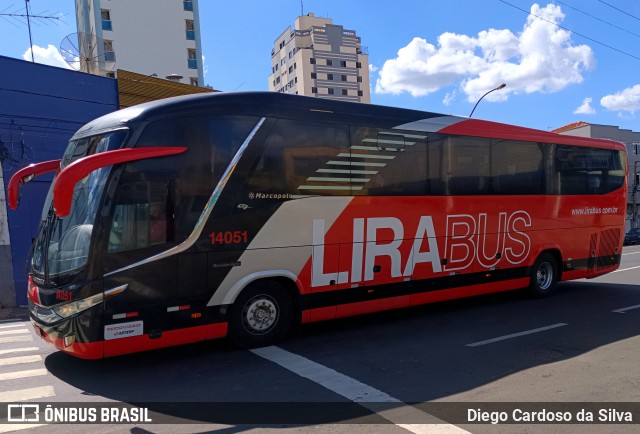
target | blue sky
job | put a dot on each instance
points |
(578, 60)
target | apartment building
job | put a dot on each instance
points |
(320, 59)
(149, 37)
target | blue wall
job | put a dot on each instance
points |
(42, 106)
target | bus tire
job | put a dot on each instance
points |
(543, 276)
(261, 315)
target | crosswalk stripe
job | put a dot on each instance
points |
(19, 359)
(23, 374)
(14, 332)
(18, 427)
(27, 394)
(25, 338)
(18, 350)
(12, 325)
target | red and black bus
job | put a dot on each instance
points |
(240, 215)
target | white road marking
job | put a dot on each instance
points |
(14, 332)
(390, 408)
(632, 253)
(12, 325)
(515, 335)
(626, 269)
(23, 374)
(25, 338)
(18, 350)
(20, 359)
(624, 309)
(27, 394)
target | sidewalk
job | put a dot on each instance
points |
(17, 313)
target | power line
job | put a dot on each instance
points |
(619, 10)
(569, 30)
(597, 18)
(55, 96)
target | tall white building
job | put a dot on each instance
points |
(320, 59)
(150, 37)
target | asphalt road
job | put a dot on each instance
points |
(580, 345)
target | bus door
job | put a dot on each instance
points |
(141, 227)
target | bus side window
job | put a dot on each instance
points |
(140, 217)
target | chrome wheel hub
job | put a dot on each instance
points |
(260, 314)
(544, 275)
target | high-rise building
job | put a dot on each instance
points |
(320, 59)
(143, 36)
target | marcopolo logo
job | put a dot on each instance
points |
(259, 195)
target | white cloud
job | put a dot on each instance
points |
(585, 108)
(373, 68)
(448, 98)
(47, 56)
(539, 59)
(625, 100)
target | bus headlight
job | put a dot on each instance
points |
(66, 310)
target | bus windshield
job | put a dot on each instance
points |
(66, 240)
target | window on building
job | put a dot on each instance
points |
(290, 54)
(359, 79)
(312, 60)
(329, 76)
(329, 62)
(290, 69)
(191, 33)
(192, 62)
(276, 66)
(111, 74)
(314, 90)
(278, 80)
(187, 5)
(106, 19)
(343, 77)
(358, 65)
(360, 93)
(314, 75)
(193, 81)
(343, 63)
(109, 54)
(345, 92)
(330, 91)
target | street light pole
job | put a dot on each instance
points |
(496, 88)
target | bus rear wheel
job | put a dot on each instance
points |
(261, 315)
(543, 276)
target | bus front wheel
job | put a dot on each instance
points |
(543, 276)
(261, 315)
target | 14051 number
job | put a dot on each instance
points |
(228, 237)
